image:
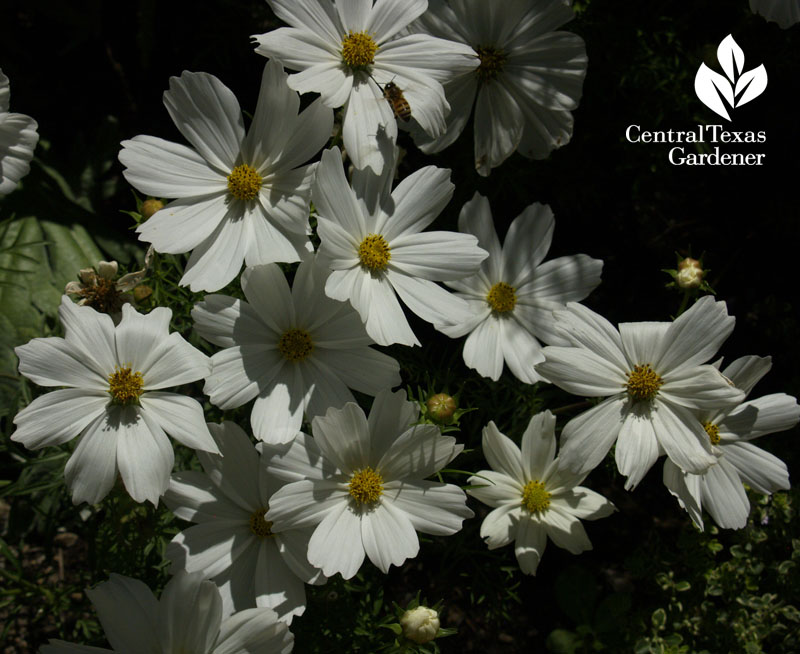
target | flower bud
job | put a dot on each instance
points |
(149, 207)
(420, 624)
(441, 407)
(690, 273)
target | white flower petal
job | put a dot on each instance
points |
(91, 334)
(311, 131)
(192, 496)
(428, 300)
(388, 537)
(764, 415)
(240, 373)
(521, 350)
(502, 453)
(293, 548)
(299, 459)
(170, 170)
(343, 437)
(369, 129)
(218, 317)
(419, 452)
(306, 503)
(181, 417)
(76, 408)
(565, 279)
(277, 413)
(329, 390)
(585, 328)
(268, 243)
(129, 614)
(184, 223)
(566, 531)
(218, 259)
(587, 438)
(336, 545)
(52, 362)
(18, 139)
(498, 126)
(757, 468)
(144, 454)
(418, 199)
(583, 503)
(643, 342)
(439, 256)
(500, 526)
(529, 547)
(276, 585)
(476, 218)
(686, 489)
(637, 445)
(724, 497)
(700, 387)
(432, 508)
(254, 630)
(483, 349)
(207, 113)
(388, 17)
(581, 371)
(315, 17)
(209, 548)
(190, 614)
(695, 336)
(495, 488)
(682, 437)
(745, 372)
(92, 469)
(538, 446)
(460, 95)
(334, 199)
(364, 369)
(527, 243)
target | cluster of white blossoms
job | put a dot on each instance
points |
(298, 508)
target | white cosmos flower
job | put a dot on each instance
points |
(188, 618)
(240, 197)
(374, 243)
(114, 399)
(18, 138)
(784, 12)
(231, 543)
(514, 294)
(653, 373)
(348, 50)
(361, 483)
(531, 497)
(719, 490)
(529, 80)
(295, 351)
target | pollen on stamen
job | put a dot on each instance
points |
(358, 50)
(502, 297)
(643, 382)
(374, 252)
(493, 60)
(260, 526)
(713, 432)
(244, 182)
(366, 486)
(125, 386)
(295, 344)
(534, 497)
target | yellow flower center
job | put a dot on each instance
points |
(713, 432)
(259, 526)
(358, 50)
(295, 344)
(374, 252)
(534, 497)
(125, 386)
(643, 382)
(244, 182)
(502, 297)
(492, 63)
(365, 486)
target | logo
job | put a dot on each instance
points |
(721, 93)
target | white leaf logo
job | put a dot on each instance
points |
(736, 87)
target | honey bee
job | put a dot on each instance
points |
(397, 101)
